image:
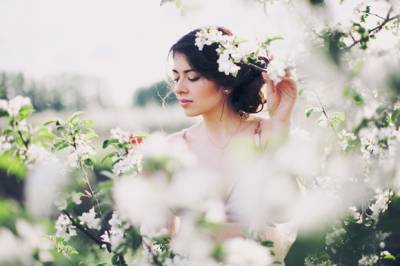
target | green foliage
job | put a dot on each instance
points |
(10, 211)
(317, 2)
(63, 247)
(155, 93)
(334, 45)
(12, 165)
(218, 252)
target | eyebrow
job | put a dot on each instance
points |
(184, 71)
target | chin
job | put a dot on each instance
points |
(189, 113)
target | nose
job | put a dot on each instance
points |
(180, 87)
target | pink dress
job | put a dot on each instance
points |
(283, 235)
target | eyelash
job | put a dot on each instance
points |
(193, 80)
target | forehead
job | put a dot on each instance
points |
(180, 62)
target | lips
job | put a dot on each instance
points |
(185, 102)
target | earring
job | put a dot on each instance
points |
(226, 91)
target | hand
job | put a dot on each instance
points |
(281, 97)
(227, 231)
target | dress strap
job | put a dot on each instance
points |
(257, 133)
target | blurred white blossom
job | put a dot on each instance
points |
(141, 201)
(50, 175)
(5, 145)
(36, 237)
(14, 105)
(14, 251)
(241, 252)
(368, 260)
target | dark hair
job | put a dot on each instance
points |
(246, 96)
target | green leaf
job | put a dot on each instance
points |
(218, 252)
(108, 142)
(389, 257)
(336, 119)
(358, 100)
(24, 112)
(309, 111)
(109, 156)
(61, 144)
(396, 118)
(62, 247)
(9, 212)
(267, 243)
(42, 134)
(75, 115)
(51, 121)
(12, 165)
(89, 162)
(3, 113)
(88, 122)
(90, 134)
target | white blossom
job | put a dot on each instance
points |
(231, 50)
(241, 252)
(276, 70)
(344, 138)
(127, 163)
(64, 227)
(89, 219)
(5, 145)
(215, 211)
(14, 105)
(81, 152)
(115, 235)
(368, 260)
(380, 204)
(120, 135)
(76, 197)
(38, 153)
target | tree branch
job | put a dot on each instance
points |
(377, 28)
(87, 233)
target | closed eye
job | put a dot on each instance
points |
(194, 79)
(190, 79)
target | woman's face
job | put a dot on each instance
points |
(196, 94)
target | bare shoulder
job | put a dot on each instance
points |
(182, 134)
(177, 136)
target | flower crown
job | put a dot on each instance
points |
(233, 51)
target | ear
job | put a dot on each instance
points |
(226, 90)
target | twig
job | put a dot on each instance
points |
(376, 15)
(154, 256)
(378, 27)
(83, 230)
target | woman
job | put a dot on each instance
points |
(225, 94)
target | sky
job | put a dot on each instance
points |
(123, 42)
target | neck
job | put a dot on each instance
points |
(222, 123)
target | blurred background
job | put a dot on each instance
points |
(110, 60)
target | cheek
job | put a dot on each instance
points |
(208, 91)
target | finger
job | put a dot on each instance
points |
(288, 72)
(269, 82)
